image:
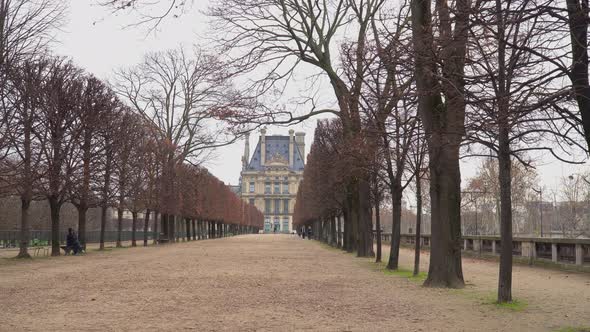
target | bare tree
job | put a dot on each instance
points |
(26, 28)
(389, 104)
(512, 91)
(128, 168)
(148, 12)
(97, 101)
(283, 35)
(25, 151)
(417, 164)
(108, 130)
(58, 132)
(441, 58)
(178, 92)
(574, 191)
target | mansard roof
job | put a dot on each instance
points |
(277, 148)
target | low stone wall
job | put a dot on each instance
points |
(558, 250)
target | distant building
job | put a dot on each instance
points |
(270, 177)
(235, 189)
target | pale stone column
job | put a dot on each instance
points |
(494, 247)
(579, 254)
(476, 244)
(554, 252)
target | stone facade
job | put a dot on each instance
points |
(270, 177)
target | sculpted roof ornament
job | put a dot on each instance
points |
(277, 158)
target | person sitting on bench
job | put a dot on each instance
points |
(72, 242)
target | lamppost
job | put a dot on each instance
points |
(540, 192)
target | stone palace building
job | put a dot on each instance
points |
(270, 177)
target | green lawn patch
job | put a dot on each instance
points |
(404, 273)
(514, 305)
(573, 329)
(99, 250)
(329, 247)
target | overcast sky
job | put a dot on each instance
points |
(100, 43)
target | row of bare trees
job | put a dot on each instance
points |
(493, 76)
(136, 145)
(69, 138)
(561, 211)
(437, 85)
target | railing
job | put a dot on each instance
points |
(558, 250)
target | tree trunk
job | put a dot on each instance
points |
(578, 25)
(82, 210)
(367, 217)
(338, 232)
(194, 229)
(364, 221)
(105, 193)
(444, 126)
(119, 226)
(445, 268)
(418, 223)
(396, 202)
(25, 229)
(54, 206)
(505, 276)
(103, 225)
(505, 166)
(26, 197)
(164, 227)
(146, 221)
(347, 236)
(172, 225)
(133, 229)
(83, 206)
(181, 224)
(333, 232)
(187, 222)
(156, 228)
(199, 230)
(378, 228)
(166, 221)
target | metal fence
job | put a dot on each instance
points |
(10, 239)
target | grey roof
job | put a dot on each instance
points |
(237, 189)
(277, 145)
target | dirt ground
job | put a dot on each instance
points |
(270, 283)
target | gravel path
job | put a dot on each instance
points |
(270, 283)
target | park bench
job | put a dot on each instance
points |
(37, 251)
(67, 250)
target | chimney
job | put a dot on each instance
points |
(300, 141)
(246, 157)
(263, 146)
(291, 147)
